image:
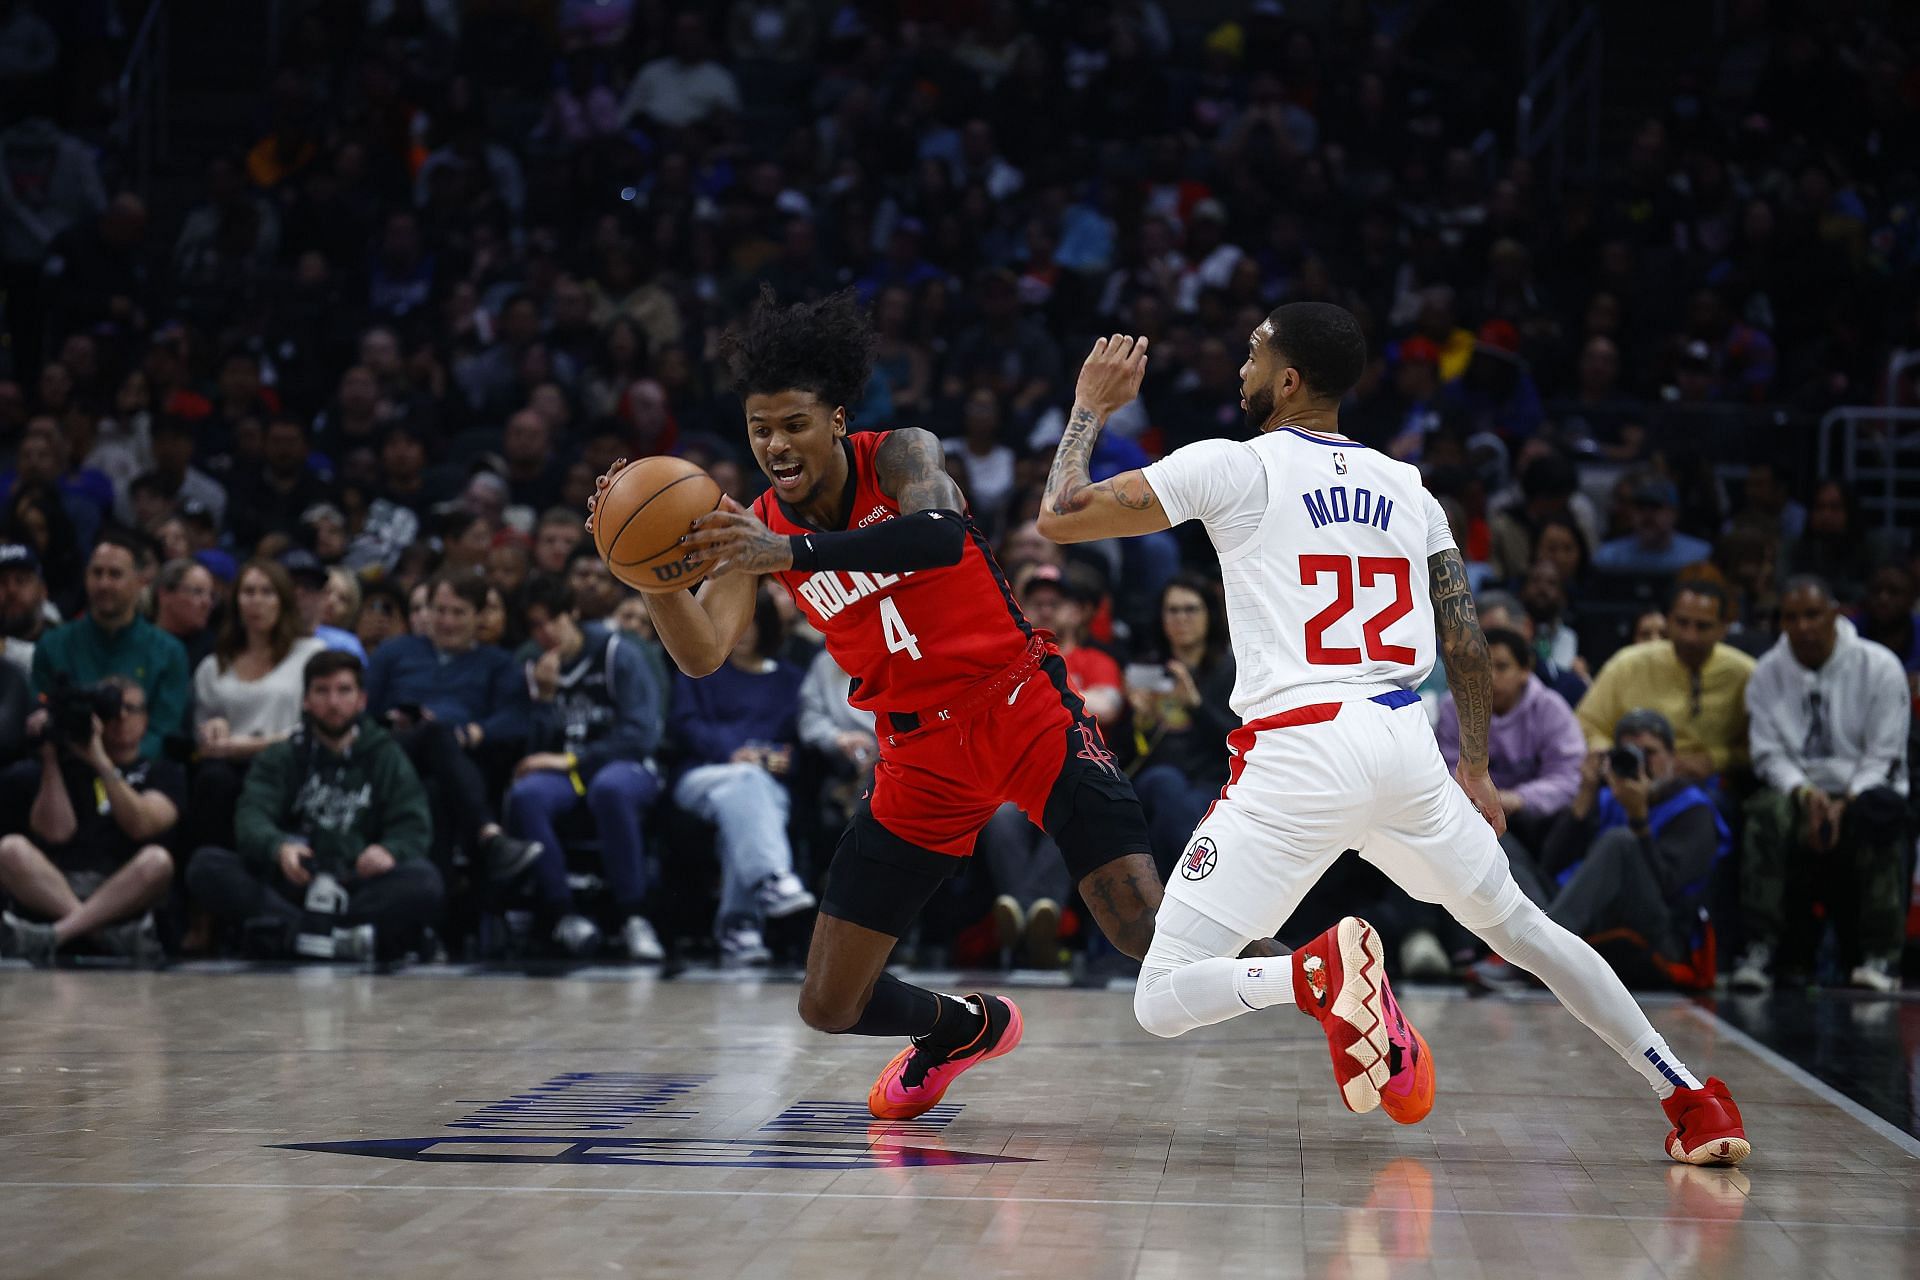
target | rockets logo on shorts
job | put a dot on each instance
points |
(1200, 860)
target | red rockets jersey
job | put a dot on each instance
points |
(911, 641)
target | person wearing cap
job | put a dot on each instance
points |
(1831, 714)
(310, 586)
(178, 479)
(1655, 546)
(24, 612)
(112, 639)
(1693, 679)
(184, 594)
(1635, 850)
(1063, 601)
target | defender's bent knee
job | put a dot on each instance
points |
(824, 1013)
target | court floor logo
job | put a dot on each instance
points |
(676, 1153)
(1200, 860)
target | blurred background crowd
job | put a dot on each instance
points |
(320, 322)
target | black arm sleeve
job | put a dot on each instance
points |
(921, 540)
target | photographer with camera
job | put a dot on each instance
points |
(1636, 848)
(112, 639)
(91, 862)
(333, 832)
(1831, 715)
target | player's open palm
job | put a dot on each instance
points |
(1111, 376)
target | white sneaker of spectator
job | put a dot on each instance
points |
(742, 944)
(1422, 957)
(1755, 970)
(1880, 973)
(642, 943)
(782, 894)
(576, 936)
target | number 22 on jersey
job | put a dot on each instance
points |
(1369, 570)
(894, 628)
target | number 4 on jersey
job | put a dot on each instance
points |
(894, 627)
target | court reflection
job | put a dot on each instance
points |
(1393, 1227)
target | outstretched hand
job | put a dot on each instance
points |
(1110, 378)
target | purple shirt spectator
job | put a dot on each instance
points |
(1535, 749)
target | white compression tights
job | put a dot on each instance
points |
(1188, 979)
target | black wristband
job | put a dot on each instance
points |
(805, 560)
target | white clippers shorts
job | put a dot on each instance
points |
(1308, 784)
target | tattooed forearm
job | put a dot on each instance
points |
(912, 470)
(1068, 489)
(1464, 648)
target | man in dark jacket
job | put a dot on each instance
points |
(338, 798)
(597, 715)
(458, 708)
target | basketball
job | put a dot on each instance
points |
(640, 519)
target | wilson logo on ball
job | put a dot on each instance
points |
(668, 572)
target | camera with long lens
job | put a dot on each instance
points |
(71, 709)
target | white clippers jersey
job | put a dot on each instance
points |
(1323, 549)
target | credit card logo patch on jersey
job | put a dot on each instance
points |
(1200, 860)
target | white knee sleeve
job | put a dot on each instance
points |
(1492, 902)
(1186, 981)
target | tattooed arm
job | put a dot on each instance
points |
(1464, 647)
(912, 470)
(1074, 508)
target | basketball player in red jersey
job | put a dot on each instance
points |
(972, 706)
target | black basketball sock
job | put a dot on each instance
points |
(898, 1009)
(960, 1025)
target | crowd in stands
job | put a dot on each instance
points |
(305, 652)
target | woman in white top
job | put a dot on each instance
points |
(247, 692)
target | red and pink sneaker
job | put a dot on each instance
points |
(1706, 1126)
(916, 1079)
(1379, 1059)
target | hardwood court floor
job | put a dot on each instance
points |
(331, 1124)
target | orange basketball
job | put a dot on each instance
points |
(640, 519)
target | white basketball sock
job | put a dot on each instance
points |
(1522, 934)
(1190, 977)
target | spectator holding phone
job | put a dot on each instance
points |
(1830, 715)
(1182, 715)
(337, 798)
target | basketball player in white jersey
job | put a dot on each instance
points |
(1339, 567)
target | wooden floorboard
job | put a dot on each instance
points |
(335, 1124)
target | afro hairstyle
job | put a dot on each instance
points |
(825, 347)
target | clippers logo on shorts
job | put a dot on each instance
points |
(1200, 860)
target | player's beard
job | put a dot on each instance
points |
(1259, 409)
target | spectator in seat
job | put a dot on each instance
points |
(1634, 851)
(1834, 546)
(737, 729)
(1831, 714)
(1182, 715)
(91, 861)
(1654, 546)
(184, 594)
(684, 87)
(1885, 617)
(112, 639)
(448, 700)
(555, 539)
(598, 711)
(312, 588)
(383, 614)
(338, 796)
(246, 693)
(1695, 681)
(1062, 601)
(1534, 743)
(840, 732)
(24, 612)
(1499, 609)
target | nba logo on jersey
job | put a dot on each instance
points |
(1200, 860)
(1339, 464)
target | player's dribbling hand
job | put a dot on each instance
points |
(1484, 795)
(1110, 378)
(730, 537)
(600, 487)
